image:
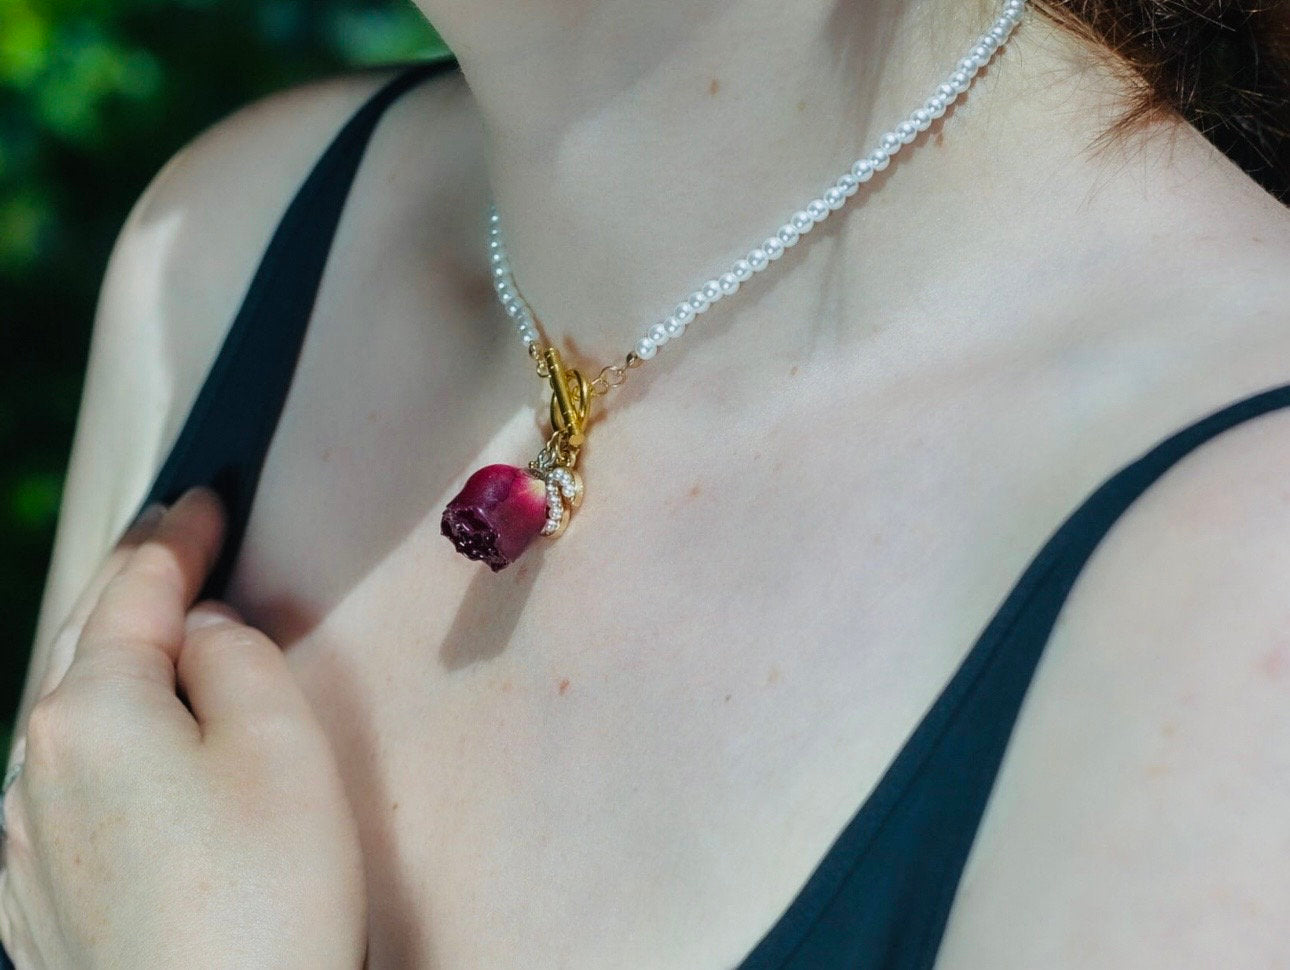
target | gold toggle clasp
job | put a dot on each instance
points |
(570, 400)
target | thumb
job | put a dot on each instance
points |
(233, 675)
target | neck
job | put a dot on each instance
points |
(635, 150)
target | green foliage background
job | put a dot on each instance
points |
(95, 95)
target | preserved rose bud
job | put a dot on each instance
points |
(499, 511)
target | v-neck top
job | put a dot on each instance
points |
(880, 897)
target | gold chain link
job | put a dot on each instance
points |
(610, 376)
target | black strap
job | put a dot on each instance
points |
(881, 896)
(228, 430)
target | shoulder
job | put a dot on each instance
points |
(177, 273)
(1149, 770)
(191, 243)
(196, 234)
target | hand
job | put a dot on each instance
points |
(179, 806)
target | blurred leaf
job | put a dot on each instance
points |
(24, 43)
(372, 35)
(26, 219)
(33, 500)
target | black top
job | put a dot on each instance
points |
(880, 897)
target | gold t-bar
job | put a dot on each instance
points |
(570, 396)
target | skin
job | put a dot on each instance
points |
(631, 748)
(115, 760)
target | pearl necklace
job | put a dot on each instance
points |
(502, 508)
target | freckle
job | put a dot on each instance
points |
(772, 676)
(714, 87)
(728, 696)
(523, 568)
(326, 455)
(564, 686)
(76, 861)
(394, 806)
(756, 455)
(1273, 663)
(793, 371)
(801, 106)
(695, 490)
(1169, 729)
(373, 415)
(506, 685)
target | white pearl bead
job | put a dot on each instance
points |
(789, 234)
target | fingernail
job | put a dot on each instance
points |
(207, 490)
(199, 617)
(150, 515)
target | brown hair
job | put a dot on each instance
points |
(1222, 65)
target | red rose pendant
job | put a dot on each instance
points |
(502, 508)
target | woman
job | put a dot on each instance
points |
(643, 744)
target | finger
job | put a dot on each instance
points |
(233, 675)
(63, 646)
(137, 625)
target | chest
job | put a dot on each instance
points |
(636, 743)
